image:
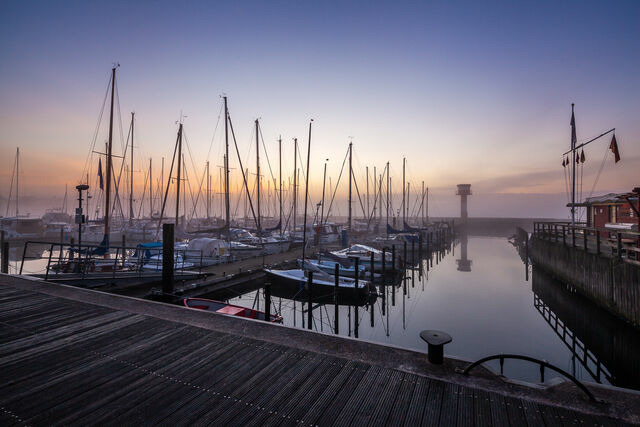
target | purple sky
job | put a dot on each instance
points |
(476, 92)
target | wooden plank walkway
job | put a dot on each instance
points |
(69, 362)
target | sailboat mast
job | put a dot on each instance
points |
(388, 184)
(427, 205)
(350, 179)
(227, 212)
(422, 204)
(404, 207)
(259, 224)
(324, 180)
(408, 203)
(150, 189)
(280, 178)
(179, 173)
(306, 196)
(208, 191)
(107, 196)
(295, 181)
(17, 180)
(131, 172)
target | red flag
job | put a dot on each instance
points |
(582, 158)
(614, 148)
(563, 163)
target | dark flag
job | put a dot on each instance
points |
(582, 158)
(614, 148)
(577, 158)
(574, 139)
(100, 174)
(563, 163)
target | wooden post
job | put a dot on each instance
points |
(309, 301)
(71, 242)
(584, 236)
(573, 236)
(564, 236)
(598, 242)
(413, 252)
(383, 268)
(124, 249)
(267, 302)
(619, 238)
(393, 259)
(372, 269)
(420, 247)
(5, 256)
(555, 231)
(167, 258)
(404, 256)
(336, 316)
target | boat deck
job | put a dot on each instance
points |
(67, 360)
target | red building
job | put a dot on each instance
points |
(615, 211)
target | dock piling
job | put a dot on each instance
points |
(372, 269)
(167, 258)
(5, 256)
(267, 302)
(310, 302)
(393, 259)
(336, 275)
(124, 250)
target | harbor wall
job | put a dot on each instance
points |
(609, 282)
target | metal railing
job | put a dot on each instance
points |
(620, 244)
(542, 363)
(68, 258)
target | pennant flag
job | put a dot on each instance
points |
(582, 158)
(574, 139)
(100, 174)
(614, 148)
(568, 161)
(577, 158)
(564, 165)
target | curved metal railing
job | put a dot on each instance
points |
(543, 364)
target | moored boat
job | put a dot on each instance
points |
(229, 309)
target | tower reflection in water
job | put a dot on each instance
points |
(463, 263)
(607, 348)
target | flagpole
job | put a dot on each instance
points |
(573, 168)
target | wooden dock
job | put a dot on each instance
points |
(77, 356)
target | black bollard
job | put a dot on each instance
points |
(309, 301)
(335, 296)
(267, 302)
(167, 258)
(355, 307)
(5, 257)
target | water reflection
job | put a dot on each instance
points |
(464, 264)
(607, 348)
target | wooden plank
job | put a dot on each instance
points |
(375, 397)
(385, 403)
(449, 408)
(357, 395)
(324, 399)
(532, 414)
(515, 411)
(401, 403)
(339, 399)
(466, 405)
(498, 410)
(433, 402)
(482, 408)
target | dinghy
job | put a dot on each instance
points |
(229, 309)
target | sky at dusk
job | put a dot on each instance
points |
(469, 92)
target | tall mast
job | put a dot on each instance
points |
(324, 180)
(388, 184)
(295, 181)
(150, 189)
(179, 173)
(573, 167)
(107, 196)
(380, 198)
(306, 196)
(427, 205)
(408, 202)
(422, 204)
(17, 180)
(367, 169)
(280, 178)
(131, 173)
(226, 167)
(208, 190)
(259, 224)
(374, 181)
(350, 179)
(404, 207)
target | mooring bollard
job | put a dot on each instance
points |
(267, 302)
(5, 257)
(336, 276)
(309, 300)
(436, 341)
(167, 258)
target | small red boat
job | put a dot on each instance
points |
(230, 309)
